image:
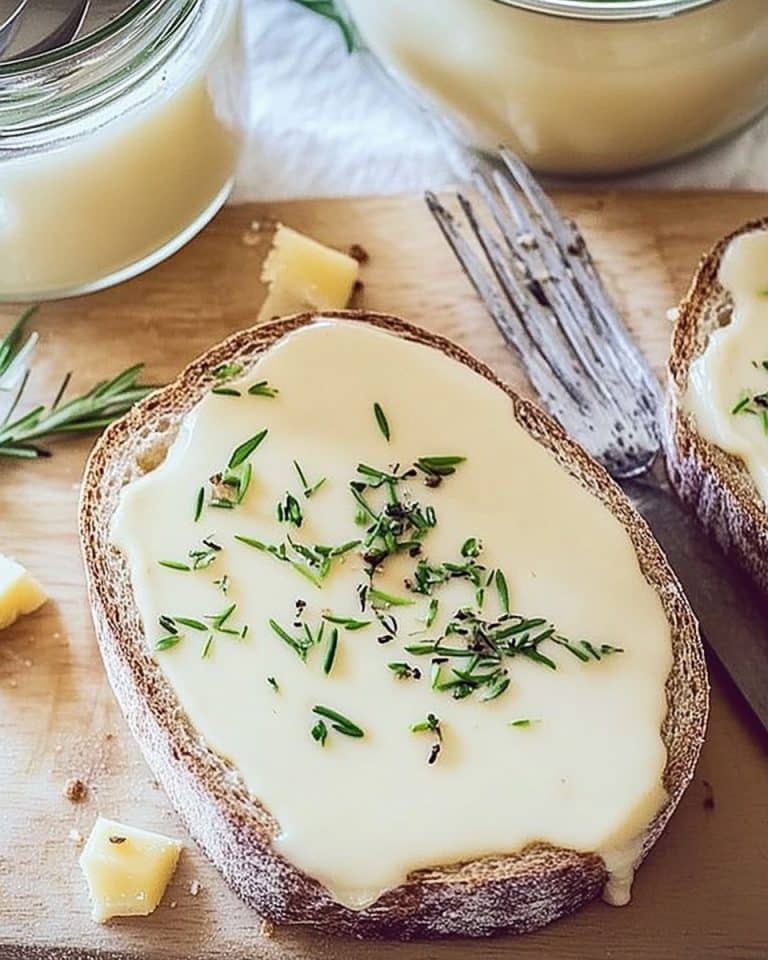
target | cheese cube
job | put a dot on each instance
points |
(302, 274)
(20, 593)
(127, 869)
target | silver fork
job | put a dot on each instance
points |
(532, 269)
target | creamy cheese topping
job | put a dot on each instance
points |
(360, 813)
(728, 384)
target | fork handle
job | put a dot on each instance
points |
(732, 612)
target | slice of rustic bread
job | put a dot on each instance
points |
(714, 484)
(515, 892)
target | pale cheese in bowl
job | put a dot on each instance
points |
(416, 638)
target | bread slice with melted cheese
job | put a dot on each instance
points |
(715, 484)
(514, 891)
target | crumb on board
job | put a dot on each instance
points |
(709, 795)
(172, 904)
(359, 253)
(75, 790)
(194, 888)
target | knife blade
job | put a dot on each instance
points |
(731, 610)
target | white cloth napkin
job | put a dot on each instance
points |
(323, 122)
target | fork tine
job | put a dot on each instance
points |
(551, 277)
(573, 251)
(506, 315)
(514, 279)
(545, 295)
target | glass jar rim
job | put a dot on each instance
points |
(609, 10)
(50, 58)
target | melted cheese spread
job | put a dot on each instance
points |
(731, 372)
(360, 813)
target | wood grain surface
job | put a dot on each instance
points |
(701, 894)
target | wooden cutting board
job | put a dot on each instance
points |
(702, 893)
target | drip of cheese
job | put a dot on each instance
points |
(360, 813)
(302, 274)
(734, 366)
(20, 593)
(127, 869)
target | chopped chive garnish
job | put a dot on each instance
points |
(319, 732)
(338, 721)
(188, 622)
(330, 655)
(307, 488)
(298, 647)
(289, 511)
(241, 453)
(503, 591)
(381, 420)
(431, 724)
(227, 371)
(165, 643)
(431, 612)
(439, 466)
(262, 389)
(199, 501)
(404, 671)
(175, 565)
(347, 622)
(389, 599)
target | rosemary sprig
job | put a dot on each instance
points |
(91, 411)
(331, 10)
(14, 342)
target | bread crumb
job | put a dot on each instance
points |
(76, 837)
(252, 236)
(194, 888)
(359, 253)
(672, 314)
(27, 663)
(267, 928)
(75, 790)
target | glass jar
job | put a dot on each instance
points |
(119, 147)
(578, 87)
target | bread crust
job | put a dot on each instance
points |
(516, 892)
(715, 485)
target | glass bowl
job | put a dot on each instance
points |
(575, 87)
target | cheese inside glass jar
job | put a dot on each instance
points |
(579, 87)
(728, 384)
(417, 639)
(119, 147)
